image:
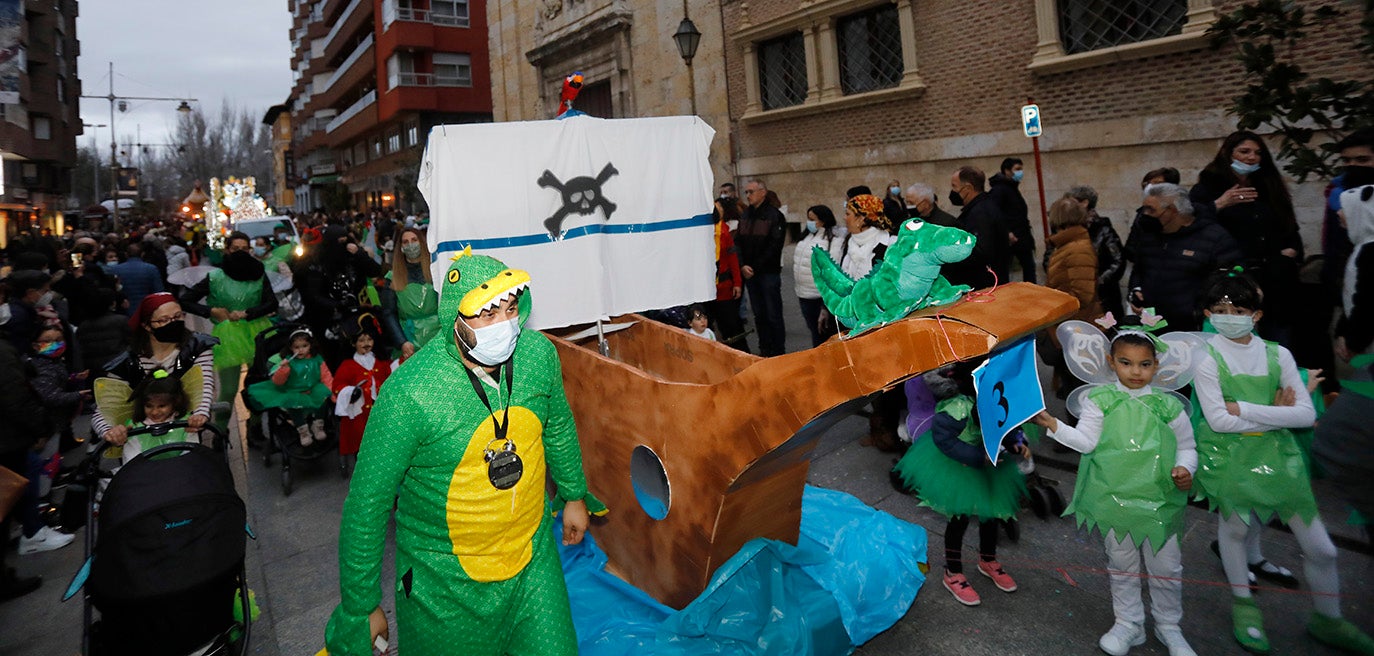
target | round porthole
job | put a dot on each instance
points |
(650, 482)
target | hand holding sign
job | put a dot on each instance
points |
(1009, 393)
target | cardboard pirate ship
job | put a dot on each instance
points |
(698, 448)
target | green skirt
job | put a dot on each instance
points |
(269, 395)
(1264, 474)
(236, 345)
(951, 488)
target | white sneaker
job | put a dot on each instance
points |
(1172, 637)
(45, 539)
(1122, 636)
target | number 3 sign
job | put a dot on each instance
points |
(1009, 394)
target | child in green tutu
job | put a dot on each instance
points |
(299, 385)
(950, 472)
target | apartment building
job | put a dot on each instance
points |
(39, 113)
(371, 78)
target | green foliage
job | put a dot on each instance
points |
(1280, 95)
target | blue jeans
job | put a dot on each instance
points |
(765, 299)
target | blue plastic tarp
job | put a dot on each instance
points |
(853, 574)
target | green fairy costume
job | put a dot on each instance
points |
(952, 488)
(1264, 473)
(303, 389)
(235, 337)
(477, 568)
(1125, 484)
(417, 309)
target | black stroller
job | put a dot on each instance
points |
(271, 428)
(165, 554)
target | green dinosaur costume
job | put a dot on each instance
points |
(908, 278)
(477, 570)
(1126, 483)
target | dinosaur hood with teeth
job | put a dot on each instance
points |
(477, 282)
(908, 278)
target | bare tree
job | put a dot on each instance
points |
(232, 143)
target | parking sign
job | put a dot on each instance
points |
(1030, 120)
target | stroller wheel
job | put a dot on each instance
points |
(286, 482)
(1012, 528)
(1056, 501)
(1038, 503)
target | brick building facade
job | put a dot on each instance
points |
(1115, 103)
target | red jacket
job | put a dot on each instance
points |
(728, 277)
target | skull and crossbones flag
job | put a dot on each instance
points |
(607, 216)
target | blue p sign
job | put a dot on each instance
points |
(1030, 120)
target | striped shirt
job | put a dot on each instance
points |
(206, 361)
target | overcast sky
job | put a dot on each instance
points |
(239, 50)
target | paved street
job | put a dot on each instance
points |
(1061, 608)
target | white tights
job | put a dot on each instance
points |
(1318, 552)
(1166, 587)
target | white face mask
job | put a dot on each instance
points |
(4, 313)
(1233, 326)
(495, 343)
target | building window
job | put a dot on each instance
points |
(1086, 25)
(376, 148)
(42, 127)
(452, 69)
(61, 90)
(412, 134)
(782, 71)
(870, 48)
(360, 152)
(453, 13)
(393, 142)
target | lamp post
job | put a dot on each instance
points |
(688, 37)
(95, 170)
(184, 108)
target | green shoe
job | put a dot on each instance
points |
(1249, 625)
(1339, 633)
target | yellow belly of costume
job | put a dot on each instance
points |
(492, 529)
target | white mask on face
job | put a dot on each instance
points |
(495, 343)
(1233, 326)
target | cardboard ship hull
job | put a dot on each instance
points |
(722, 440)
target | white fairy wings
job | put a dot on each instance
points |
(1086, 351)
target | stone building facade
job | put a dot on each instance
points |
(625, 50)
(826, 94)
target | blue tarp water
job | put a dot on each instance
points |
(853, 574)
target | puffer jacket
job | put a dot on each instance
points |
(25, 419)
(1073, 270)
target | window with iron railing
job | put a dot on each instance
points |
(1086, 25)
(782, 71)
(870, 49)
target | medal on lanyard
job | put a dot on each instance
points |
(504, 467)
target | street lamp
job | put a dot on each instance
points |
(122, 101)
(688, 37)
(95, 172)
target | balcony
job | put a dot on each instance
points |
(363, 48)
(428, 80)
(392, 12)
(350, 21)
(366, 101)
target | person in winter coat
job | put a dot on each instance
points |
(1172, 265)
(1111, 263)
(821, 232)
(761, 234)
(870, 233)
(138, 277)
(1073, 270)
(1243, 190)
(724, 310)
(1005, 188)
(104, 335)
(1344, 441)
(24, 425)
(177, 257)
(982, 218)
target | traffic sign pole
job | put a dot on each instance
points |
(1031, 124)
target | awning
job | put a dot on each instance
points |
(324, 179)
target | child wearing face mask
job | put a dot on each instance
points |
(299, 385)
(1251, 468)
(1137, 446)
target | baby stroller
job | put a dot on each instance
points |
(165, 555)
(271, 427)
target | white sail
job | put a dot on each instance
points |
(608, 216)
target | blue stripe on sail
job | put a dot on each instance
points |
(580, 231)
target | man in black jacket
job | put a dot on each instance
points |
(983, 219)
(1005, 188)
(1172, 265)
(759, 240)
